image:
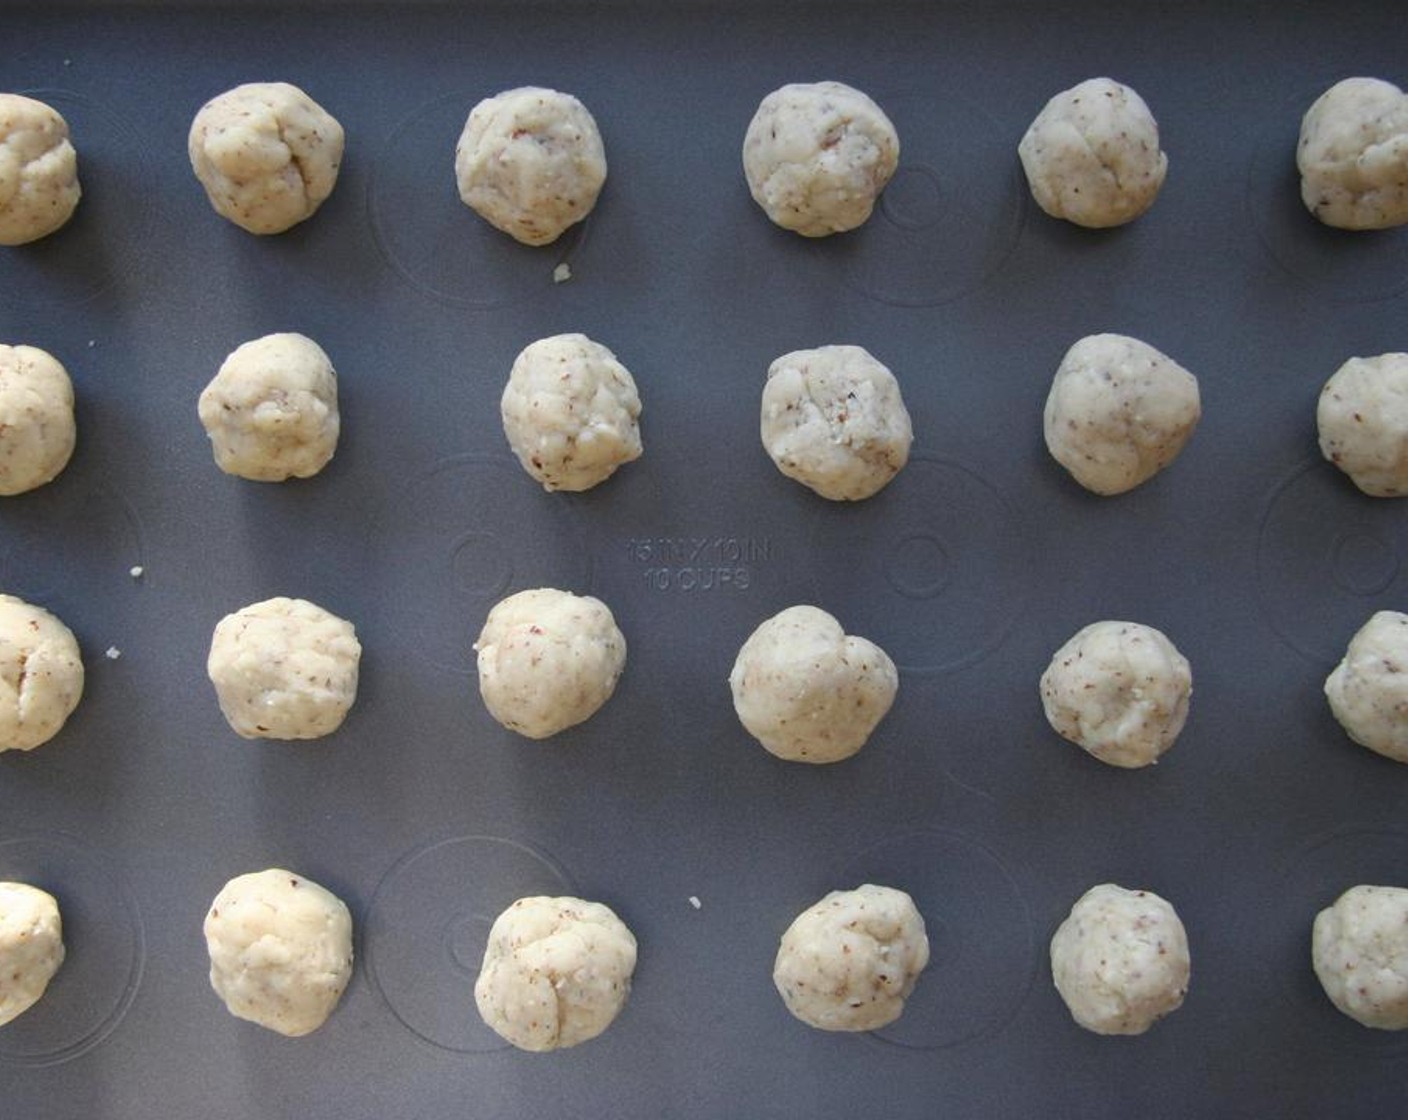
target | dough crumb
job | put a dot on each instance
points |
(112, 653)
(136, 571)
(562, 273)
(694, 901)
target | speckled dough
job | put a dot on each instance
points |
(1359, 949)
(1368, 690)
(267, 155)
(1362, 418)
(38, 170)
(1353, 155)
(817, 155)
(37, 431)
(284, 669)
(570, 412)
(41, 675)
(31, 947)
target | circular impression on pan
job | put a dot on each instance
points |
(62, 536)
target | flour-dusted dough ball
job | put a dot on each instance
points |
(530, 162)
(31, 947)
(1368, 690)
(284, 669)
(556, 972)
(267, 155)
(1092, 155)
(1119, 690)
(37, 431)
(1363, 422)
(280, 950)
(38, 170)
(570, 412)
(41, 675)
(1359, 949)
(817, 155)
(548, 659)
(1353, 155)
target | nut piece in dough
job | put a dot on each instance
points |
(1362, 418)
(849, 962)
(38, 170)
(1353, 155)
(548, 660)
(41, 675)
(808, 691)
(556, 972)
(530, 162)
(1092, 155)
(1359, 949)
(834, 420)
(1119, 412)
(267, 155)
(1368, 690)
(1120, 960)
(271, 410)
(1120, 691)
(31, 947)
(284, 669)
(280, 950)
(570, 412)
(37, 431)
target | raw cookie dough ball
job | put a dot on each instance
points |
(38, 170)
(1120, 961)
(1119, 412)
(37, 432)
(280, 950)
(1353, 155)
(284, 669)
(817, 155)
(548, 659)
(570, 411)
(556, 972)
(834, 420)
(531, 163)
(267, 155)
(1119, 690)
(271, 410)
(849, 962)
(1359, 948)
(1363, 422)
(1368, 690)
(31, 947)
(41, 675)
(1092, 155)
(808, 691)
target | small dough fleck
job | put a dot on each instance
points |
(41, 675)
(267, 155)
(31, 947)
(1362, 419)
(1359, 949)
(37, 431)
(38, 170)
(284, 669)
(850, 962)
(280, 950)
(1353, 155)
(817, 155)
(556, 972)
(571, 411)
(1368, 690)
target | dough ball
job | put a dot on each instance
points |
(548, 659)
(1363, 423)
(41, 675)
(1368, 690)
(1119, 412)
(280, 950)
(808, 691)
(1353, 155)
(849, 962)
(1119, 690)
(38, 170)
(530, 162)
(31, 947)
(1120, 961)
(271, 410)
(1092, 155)
(1359, 948)
(556, 972)
(834, 420)
(284, 669)
(267, 155)
(570, 411)
(37, 432)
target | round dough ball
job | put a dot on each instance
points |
(1119, 690)
(817, 155)
(556, 972)
(1362, 418)
(834, 420)
(1353, 155)
(1119, 412)
(530, 162)
(570, 412)
(31, 947)
(1359, 948)
(271, 410)
(280, 950)
(1368, 690)
(1120, 961)
(1092, 155)
(41, 675)
(808, 691)
(38, 170)
(849, 962)
(37, 431)
(548, 660)
(284, 669)
(267, 155)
